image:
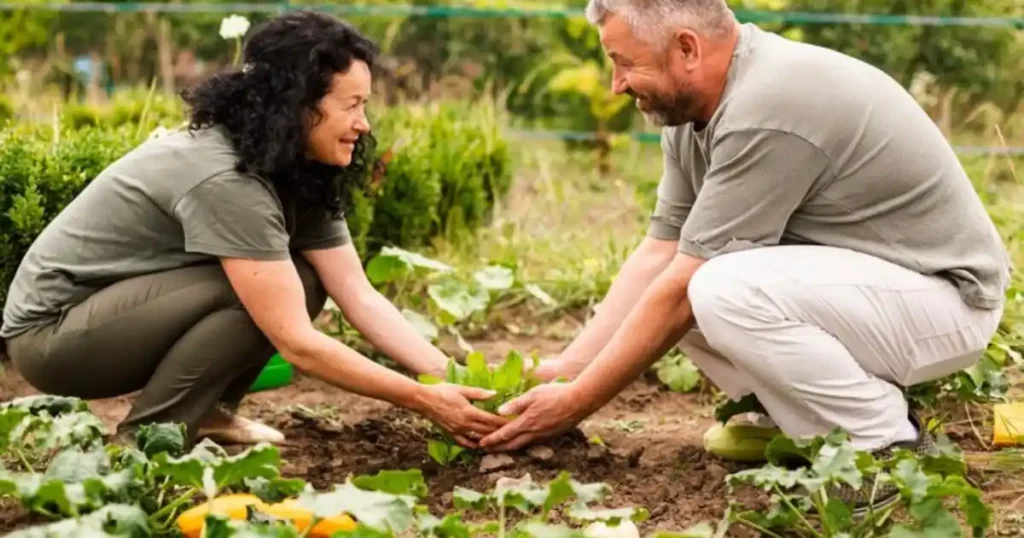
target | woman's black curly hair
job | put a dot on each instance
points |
(267, 105)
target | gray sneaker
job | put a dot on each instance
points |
(861, 500)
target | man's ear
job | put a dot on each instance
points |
(687, 46)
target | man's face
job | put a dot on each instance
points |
(657, 79)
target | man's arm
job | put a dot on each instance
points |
(661, 318)
(644, 265)
(372, 314)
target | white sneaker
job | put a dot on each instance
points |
(241, 431)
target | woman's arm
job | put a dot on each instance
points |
(372, 314)
(272, 293)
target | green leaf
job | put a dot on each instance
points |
(700, 530)
(438, 451)
(679, 373)
(113, 520)
(384, 269)
(508, 376)
(451, 526)
(456, 300)
(537, 529)
(540, 295)
(378, 510)
(838, 464)
(495, 278)
(464, 498)
(50, 405)
(408, 482)
(262, 460)
(153, 439)
(272, 490)
(838, 515)
(479, 371)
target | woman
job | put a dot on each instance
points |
(183, 266)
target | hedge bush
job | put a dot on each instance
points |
(445, 167)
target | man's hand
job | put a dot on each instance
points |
(544, 411)
(449, 406)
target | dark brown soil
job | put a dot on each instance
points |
(652, 455)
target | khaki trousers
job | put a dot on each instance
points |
(826, 337)
(180, 337)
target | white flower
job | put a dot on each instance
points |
(234, 27)
(159, 132)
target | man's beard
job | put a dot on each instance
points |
(671, 111)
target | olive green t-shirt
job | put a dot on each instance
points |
(810, 146)
(173, 201)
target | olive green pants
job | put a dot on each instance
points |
(181, 338)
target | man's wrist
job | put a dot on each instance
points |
(417, 398)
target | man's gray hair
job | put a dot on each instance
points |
(652, 20)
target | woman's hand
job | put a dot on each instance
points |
(450, 407)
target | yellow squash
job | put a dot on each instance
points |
(234, 506)
(1008, 424)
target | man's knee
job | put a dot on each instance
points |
(316, 294)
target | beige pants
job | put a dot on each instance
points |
(825, 336)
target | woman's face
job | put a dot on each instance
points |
(343, 117)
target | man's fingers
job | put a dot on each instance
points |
(507, 432)
(517, 406)
(488, 420)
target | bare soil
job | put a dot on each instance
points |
(652, 454)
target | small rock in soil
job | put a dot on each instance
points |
(597, 452)
(496, 462)
(632, 456)
(541, 453)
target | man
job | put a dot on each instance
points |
(815, 242)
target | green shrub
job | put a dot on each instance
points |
(6, 110)
(443, 179)
(449, 165)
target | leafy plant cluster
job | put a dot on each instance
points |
(509, 380)
(58, 466)
(806, 480)
(439, 298)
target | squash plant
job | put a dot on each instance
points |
(509, 380)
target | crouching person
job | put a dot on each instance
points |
(815, 242)
(181, 268)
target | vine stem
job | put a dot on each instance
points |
(24, 460)
(757, 528)
(185, 497)
(785, 499)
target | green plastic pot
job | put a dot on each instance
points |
(277, 373)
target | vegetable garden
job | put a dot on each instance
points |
(498, 250)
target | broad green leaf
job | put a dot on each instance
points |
(52, 406)
(438, 451)
(479, 371)
(679, 373)
(10, 417)
(428, 379)
(383, 269)
(380, 511)
(277, 489)
(508, 376)
(113, 520)
(838, 515)
(838, 464)
(451, 526)
(931, 520)
(263, 460)
(407, 482)
(768, 476)
(495, 278)
(911, 480)
(416, 260)
(456, 300)
(467, 499)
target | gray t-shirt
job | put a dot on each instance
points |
(173, 201)
(812, 146)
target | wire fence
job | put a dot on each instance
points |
(442, 11)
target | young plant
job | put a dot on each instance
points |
(508, 380)
(805, 500)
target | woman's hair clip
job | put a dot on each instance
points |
(246, 67)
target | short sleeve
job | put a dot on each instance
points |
(320, 230)
(675, 193)
(757, 179)
(233, 216)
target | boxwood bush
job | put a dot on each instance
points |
(441, 168)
